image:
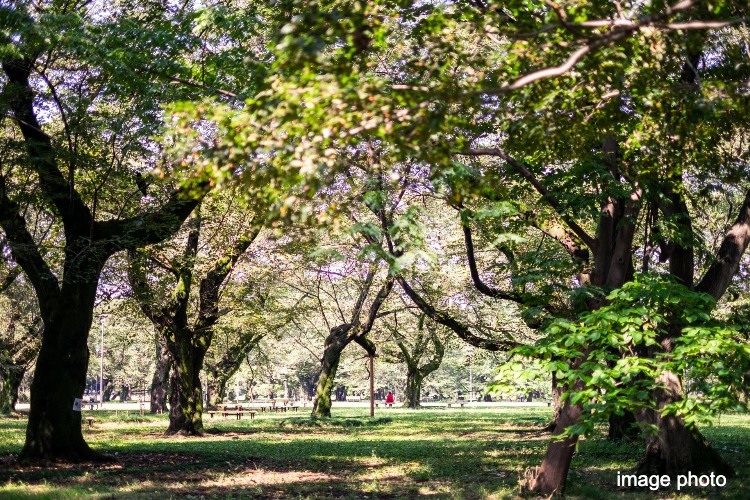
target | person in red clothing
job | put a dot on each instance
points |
(389, 398)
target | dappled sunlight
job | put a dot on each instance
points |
(415, 454)
(263, 477)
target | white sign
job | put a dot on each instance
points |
(77, 404)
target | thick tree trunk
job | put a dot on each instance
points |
(186, 393)
(160, 380)
(413, 390)
(677, 449)
(329, 365)
(54, 429)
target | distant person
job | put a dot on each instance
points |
(389, 399)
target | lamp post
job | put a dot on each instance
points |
(471, 374)
(102, 317)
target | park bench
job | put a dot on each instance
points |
(460, 403)
(384, 404)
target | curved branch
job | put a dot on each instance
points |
(459, 328)
(210, 285)
(719, 275)
(18, 94)
(482, 287)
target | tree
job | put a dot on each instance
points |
(554, 103)
(611, 155)
(79, 188)
(421, 349)
(188, 336)
(359, 324)
(261, 307)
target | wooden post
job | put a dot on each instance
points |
(372, 386)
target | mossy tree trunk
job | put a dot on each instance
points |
(186, 394)
(413, 392)
(335, 344)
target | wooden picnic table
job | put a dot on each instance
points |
(286, 404)
(233, 410)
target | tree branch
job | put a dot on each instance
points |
(152, 227)
(18, 94)
(208, 310)
(719, 275)
(619, 30)
(539, 187)
(482, 287)
(459, 328)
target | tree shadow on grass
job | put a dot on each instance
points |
(241, 468)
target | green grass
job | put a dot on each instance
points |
(456, 453)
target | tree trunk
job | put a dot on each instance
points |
(11, 382)
(623, 427)
(16, 377)
(6, 407)
(549, 478)
(340, 393)
(54, 429)
(186, 393)
(160, 380)
(677, 449)
(108, 388)
(329, 365)
(413, 391)
(218, 390)
(124, 393)
(211, 393)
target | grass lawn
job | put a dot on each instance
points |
(445, 453)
